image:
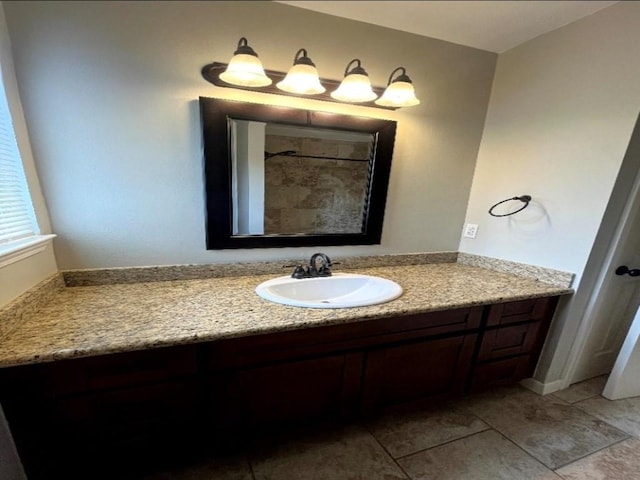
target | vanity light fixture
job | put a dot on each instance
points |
(399, 92)
(356, 86)
(245, 68)
(302, 77)
(245, 72)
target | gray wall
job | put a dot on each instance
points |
(110, 95)
(562, 110)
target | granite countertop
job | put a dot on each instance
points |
(95, 320)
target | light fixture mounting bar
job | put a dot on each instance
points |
(212, 71)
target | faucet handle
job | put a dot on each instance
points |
(325, 270)
(298, 272)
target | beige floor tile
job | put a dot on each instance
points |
(349, 453)
(552, 431)
(407, 431)
(583, 390)
(618, 462)
(484, 456)
(522, 436)
(623, 414)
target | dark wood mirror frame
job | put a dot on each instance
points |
(215, 117)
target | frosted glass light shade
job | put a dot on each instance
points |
(245, 70)
(302, 79)
(398, 94)
(355, 88)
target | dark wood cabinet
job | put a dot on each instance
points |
(511, 342)
(500, 373)
(284, 393)
(416, 370)
(114, 410)
(338, 372)
(121, 370)
(130, 407)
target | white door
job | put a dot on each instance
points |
(624, 380)
(618, 305)
(616, 296)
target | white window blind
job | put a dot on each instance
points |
(17, 219)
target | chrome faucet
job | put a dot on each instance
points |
(319, 266)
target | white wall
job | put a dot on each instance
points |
(561, 113)
(110, 93)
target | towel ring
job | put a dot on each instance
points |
(523, 198)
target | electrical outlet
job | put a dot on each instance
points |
(471, 230)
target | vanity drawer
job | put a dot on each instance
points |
(122, 370)
(509, 340)
(502, 372)
(263, 349)
(533, 309)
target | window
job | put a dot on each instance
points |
(19, 233)
(17, 219)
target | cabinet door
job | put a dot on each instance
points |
(110, 410)
(286, 393)
(117, 414)
(416, 370)
(122, 429)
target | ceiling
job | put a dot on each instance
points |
(494, 26)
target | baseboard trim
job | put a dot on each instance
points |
(541, 388)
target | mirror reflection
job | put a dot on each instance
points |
(290, 179)
(287, 177)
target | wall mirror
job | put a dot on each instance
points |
(279, 176)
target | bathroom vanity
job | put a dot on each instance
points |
(135, 370)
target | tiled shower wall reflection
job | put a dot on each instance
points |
(315, 195)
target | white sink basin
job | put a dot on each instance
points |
(342, 290)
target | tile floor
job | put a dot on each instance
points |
(510, 434)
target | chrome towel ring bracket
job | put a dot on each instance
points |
(523, 198)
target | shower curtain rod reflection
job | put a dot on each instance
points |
(293, 153)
